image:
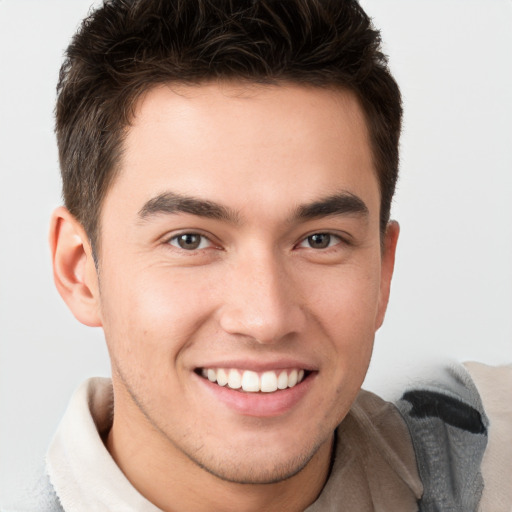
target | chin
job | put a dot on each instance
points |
(256, 462)
(257, 471)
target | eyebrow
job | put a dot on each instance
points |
(171, 203)
(343, 203)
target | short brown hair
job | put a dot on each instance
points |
(128, 46)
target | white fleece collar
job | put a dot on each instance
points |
(84, 475)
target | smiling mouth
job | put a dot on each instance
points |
(254, 382)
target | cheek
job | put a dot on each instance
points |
(346, 311)
(349, 297)
(154, 314)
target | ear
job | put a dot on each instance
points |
(74, 271)
(387, 265)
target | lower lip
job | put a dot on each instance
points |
(259, 404)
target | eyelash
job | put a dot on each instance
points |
(190, 234)
(339, 240)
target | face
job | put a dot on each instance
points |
(241, 274)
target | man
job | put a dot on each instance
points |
(228, 170)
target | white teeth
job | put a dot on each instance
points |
(222, 377)
(282, 380)
(268, 382)
(252, 382)
(234, 379)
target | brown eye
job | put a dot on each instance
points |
(190, 241)
(319, 240)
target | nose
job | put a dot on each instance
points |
(262, 300)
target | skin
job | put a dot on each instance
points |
(255, 294)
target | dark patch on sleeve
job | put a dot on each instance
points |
(427, 404)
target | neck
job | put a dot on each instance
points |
(174, 483)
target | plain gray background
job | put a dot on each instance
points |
(452, 293)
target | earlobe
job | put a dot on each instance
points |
(74, 271)
(388, 264)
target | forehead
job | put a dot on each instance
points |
(246, 145)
